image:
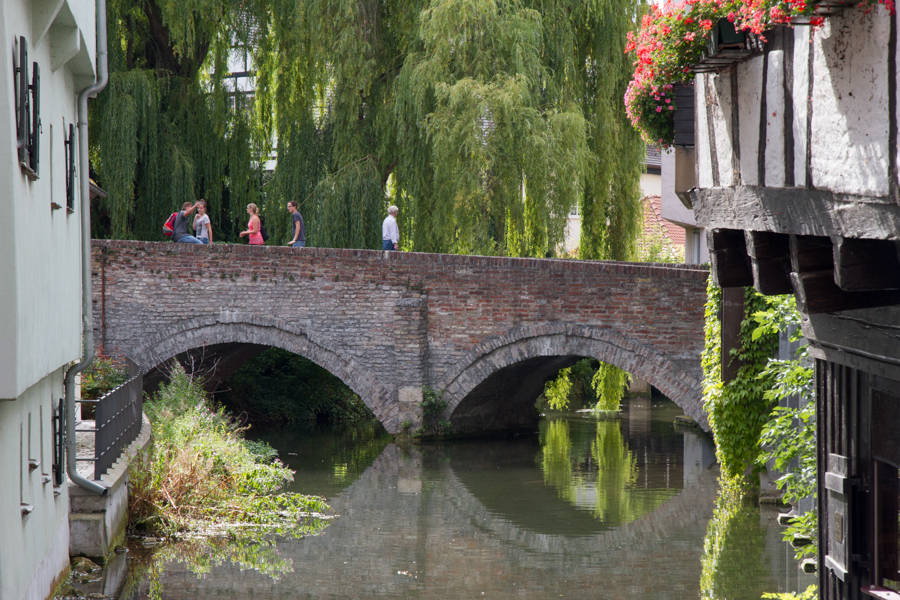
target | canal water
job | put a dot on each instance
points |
(616, 508)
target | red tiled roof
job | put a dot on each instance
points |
(653, 220)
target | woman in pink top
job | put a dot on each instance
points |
(253, 226)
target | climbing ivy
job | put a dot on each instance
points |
(738, 409)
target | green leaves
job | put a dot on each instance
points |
(738, 409)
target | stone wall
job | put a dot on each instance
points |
(389, 323)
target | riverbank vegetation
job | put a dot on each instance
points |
(104, 374)
(588, 383)
(201, 477)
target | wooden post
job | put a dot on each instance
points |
(732, 315)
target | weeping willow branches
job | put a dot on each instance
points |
(486, 121)
(169, 128)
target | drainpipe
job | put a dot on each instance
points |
(86, 307)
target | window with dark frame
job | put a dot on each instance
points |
(28, 113)
(59, 442)
(70, 170)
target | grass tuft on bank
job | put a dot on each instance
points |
(201, 477)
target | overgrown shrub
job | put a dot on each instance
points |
(200, 475)
(103, 375)
(433, 405)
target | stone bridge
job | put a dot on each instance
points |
(488, 331)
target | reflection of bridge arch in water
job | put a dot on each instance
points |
(407, 531)
(448, 515)
(682, 517)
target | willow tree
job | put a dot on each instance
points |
(169, 128)
(486, 121)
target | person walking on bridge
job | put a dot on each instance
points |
(180, 228)
(253, 226)
(298, 227)
(390, 233)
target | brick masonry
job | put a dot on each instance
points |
(486, 330)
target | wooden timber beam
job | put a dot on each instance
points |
(730, 265)
(863, 265)
(731, 317)
(770, 262)
(813, 280)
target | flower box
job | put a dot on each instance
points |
(824, 9)
(727, 46)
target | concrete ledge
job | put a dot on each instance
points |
(97, 524)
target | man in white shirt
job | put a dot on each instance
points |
(390, 233)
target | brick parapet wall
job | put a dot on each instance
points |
(389, 321)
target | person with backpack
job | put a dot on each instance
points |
(253, 227)
(180, 227)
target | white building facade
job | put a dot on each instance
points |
(798, 187)
(49, 49)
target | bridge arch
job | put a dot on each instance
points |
(235, 328)
(517, 363)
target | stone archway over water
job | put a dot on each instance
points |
(496, 383)
(231, 328)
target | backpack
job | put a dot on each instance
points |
(169, 225)
(263, 232)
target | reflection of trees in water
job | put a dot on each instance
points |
(599, 469)
(344, 452)
(616, 472)
(556, 462)
(734, 550)
(199, 556)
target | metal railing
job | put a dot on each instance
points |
(117, 419)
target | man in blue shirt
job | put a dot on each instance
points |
(298, 227)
